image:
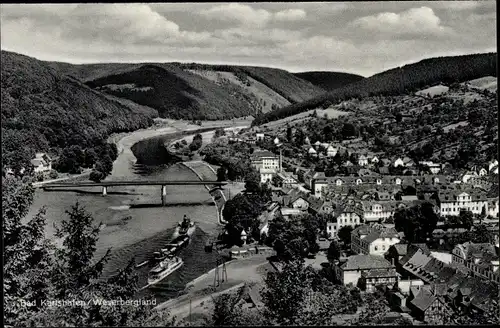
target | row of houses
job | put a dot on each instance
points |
(431, 290)
(42, 163)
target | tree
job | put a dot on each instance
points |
(241, 212)
(417, 222)
(466, 219)
(333, 253)
(344, 234)
(299, 295)
(96, 176)
(252, 181)
(219, 133)
(221, 174)
(289, 134)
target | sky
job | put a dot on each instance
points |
(356, 37)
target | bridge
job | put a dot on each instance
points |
(106, 184)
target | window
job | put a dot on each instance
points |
(376, 248)
(383, 247)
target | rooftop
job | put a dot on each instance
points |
(364, 262)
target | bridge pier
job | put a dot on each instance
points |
(163, 195)
(104, 190)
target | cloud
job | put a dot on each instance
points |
(417, 22)
(456, 5)
(363, 38)
(290, 15)
(238, 12)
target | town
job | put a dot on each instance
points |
(450, 270)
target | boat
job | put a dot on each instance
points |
(164, 269)
(185, 227)
(140, 265)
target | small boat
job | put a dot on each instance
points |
(164, 269)
(185, 227)
(140, 265)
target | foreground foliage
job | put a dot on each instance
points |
(38, 274)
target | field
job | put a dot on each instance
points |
(484, 83)
(264, 95)
(331, 112)
(433, 91)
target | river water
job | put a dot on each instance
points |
(137, 232)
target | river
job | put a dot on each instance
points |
(136, 232)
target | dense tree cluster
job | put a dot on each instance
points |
(417, 222)
(36, 270)
(399, 81)
(329, 80)
(196, 143)
(234, 157)
(297, 237)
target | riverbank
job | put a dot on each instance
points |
(200, 291)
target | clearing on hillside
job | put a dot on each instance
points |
(484, 83)
(433, 91)
(265, 95)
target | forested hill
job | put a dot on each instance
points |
(404, 80)
(329, 81)
(196, 91)
(43, 110)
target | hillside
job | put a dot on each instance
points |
(409, 78)
(329, 81)
(458, 127)
(199, 91)
(43, 110)
(176, 93)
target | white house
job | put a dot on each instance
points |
(331, 151)
(351, 271)
(362, 160)
(374, 240)
(276, 141)
(260, 136)
(266, 175)
(312, 152)
(483, 172)
(41, 163)
(374, 159)
(451, 203)
(398, 162)
(344, 216)
(492, 165)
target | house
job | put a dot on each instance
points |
(492, 165)
(386, 162)
(266, 175)
(41, 163)
(483, 172)
(344, 215)
(398, 162)
(374, 159)
(395, 253)
(350, 272)
(296, 199)
(312, 152)
(374, 240)
(260, 136)
(307, 141)
(276, 141)
(408, 162)
(287, 179)
(331, 151)
(451, 202)
(427, 304)
(362, 160)
(264, 159)
(378, 211)
(376, 277)
(481, 260)
(268, 215)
